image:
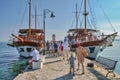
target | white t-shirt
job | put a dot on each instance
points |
(65, 45)
(35, 55)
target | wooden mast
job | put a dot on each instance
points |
(85, 16)
(77, 20)
(29, 33)
(35, 17)
(76, 17)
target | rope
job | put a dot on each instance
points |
(93, 19)
(79, 13)
(89, 23)
(73, 22)
(23, 15)
(106, 17)
(81, 23)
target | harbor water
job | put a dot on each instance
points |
(9, 56)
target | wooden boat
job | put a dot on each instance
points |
(92, 39)
(28, 38)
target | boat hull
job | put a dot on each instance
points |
(92, 51)
(24, 48)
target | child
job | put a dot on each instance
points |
(71, 60)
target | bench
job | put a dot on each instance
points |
(106, 63)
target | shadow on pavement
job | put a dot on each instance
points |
(51, 62)
(66, 77)
(97, 74)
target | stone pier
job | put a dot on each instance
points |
(55, 68)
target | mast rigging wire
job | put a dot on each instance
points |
(106, 16)
(78, 14)
(80, 11)
(93, 19)
(23, 15)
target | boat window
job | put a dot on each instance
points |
(92, 49)
(28, 49)
(21, 50)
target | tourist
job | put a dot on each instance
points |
(55, 49)
(66, 47)
(61, 49)
(51, 47)
(34, 57)
(72, 64)
(80, 57)
(73, 42)
(47, 45)
(77, 41)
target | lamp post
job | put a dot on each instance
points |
(46, 11)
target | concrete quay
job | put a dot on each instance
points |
(55, 68)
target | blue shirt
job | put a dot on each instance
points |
(71, 59)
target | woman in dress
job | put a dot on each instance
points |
(80, 57)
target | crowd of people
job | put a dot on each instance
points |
(58, 48)
(63, 49)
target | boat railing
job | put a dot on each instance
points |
(84, 38)
(33, 38)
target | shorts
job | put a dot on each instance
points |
(72, 66)
(30, 61)
(56, 50)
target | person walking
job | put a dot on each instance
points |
(51, 48)
(61, 49)
(80, 57)
(47, 46)
(55, 49)
(66, 47)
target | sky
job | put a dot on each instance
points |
(14, 16)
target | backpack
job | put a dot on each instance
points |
(84, 52)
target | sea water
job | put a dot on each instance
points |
(8, 56)
(113, 52)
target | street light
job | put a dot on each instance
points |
(45, 11)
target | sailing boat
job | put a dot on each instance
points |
(93, 40)
(28, 38)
